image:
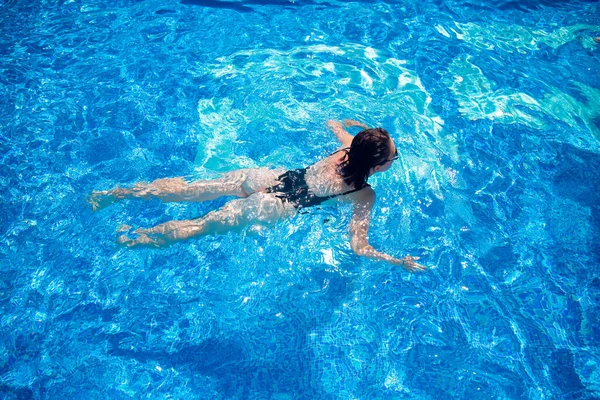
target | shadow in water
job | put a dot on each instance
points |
(267, 355)
(522, 5)
(246, 6)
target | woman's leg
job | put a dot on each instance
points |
(237, 214)
(240, 183)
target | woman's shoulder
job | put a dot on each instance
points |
(366, 193)
(364, 196)
(340, 149)
(330, 161)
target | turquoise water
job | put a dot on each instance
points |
(495, 110)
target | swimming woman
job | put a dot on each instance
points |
(267, 195)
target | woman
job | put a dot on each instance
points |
(270, 195)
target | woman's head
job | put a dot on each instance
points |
(372, 150)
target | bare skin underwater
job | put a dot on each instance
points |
(263, 195)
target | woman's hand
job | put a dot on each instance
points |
(409, 264)
(351, 122)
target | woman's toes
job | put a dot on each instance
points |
(123, 228)
(100, 200)
(123, 240)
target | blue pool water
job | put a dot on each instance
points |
(494, 107)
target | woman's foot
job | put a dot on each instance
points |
(142, 239)
(101, 199)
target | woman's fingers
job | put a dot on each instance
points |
(415, 267)
(411, 266)
(420, 267)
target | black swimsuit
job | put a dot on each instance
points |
(292, 188)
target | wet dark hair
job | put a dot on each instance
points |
(369, 148)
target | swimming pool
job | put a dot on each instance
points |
(494, 107)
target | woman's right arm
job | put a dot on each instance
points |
(343, 136)
(359, 227)
(338, 129)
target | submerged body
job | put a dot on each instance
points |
(265, 196)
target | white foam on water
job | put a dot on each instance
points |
(220, 124)
(478, 99)
(516, 38)
(351, 81)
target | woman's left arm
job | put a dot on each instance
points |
(359, 228)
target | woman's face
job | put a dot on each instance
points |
(393, 154)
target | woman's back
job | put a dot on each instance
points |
(323, 178)
(313, 185)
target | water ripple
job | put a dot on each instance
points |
(495, 116)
